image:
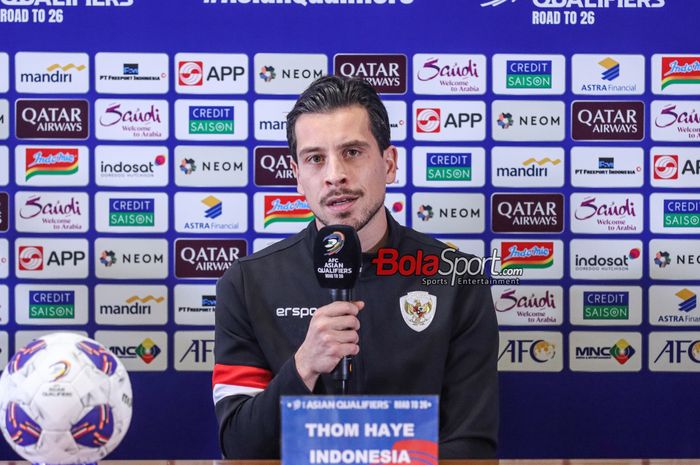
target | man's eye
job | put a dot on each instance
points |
(353, 152)
(315, 159)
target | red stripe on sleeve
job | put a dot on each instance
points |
(240, 375)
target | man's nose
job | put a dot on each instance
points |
(336, 170)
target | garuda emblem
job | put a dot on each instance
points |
(418, 309)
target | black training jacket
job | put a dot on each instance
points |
(263, 304)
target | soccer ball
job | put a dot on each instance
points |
(64, 399)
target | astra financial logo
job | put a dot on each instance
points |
(607, 121)
(594, 74)
(214, 207)
(612, 69)
(527, 213)
(386, 73)
(206, 258)
(52, 119)
(215, 212)
(673, 305)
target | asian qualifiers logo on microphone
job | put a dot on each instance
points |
(333, 243)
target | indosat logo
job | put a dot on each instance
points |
(286, 208)
(63, 161)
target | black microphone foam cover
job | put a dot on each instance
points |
(337, 257)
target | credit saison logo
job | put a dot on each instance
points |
(211, 120)
(528, 74)
(449, 166)
(50, 161)
(52, 304)
(52, 119)
(681, 213)
(680, 71)
(621, 352)
(609, 120)
(527, 213)
(131, 212)
(451, 266)
(132, 305)
(386, 73)
(601, 305)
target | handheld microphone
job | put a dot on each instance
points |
(337, 262)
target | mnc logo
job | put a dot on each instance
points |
(211, 120)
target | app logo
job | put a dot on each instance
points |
(612, 69)
(679, 71)
(601, 305)
(428, 120)
(188, 166)
(147, 350)
(449, 166)
(52, 304)
(607, 120)
(286, 208)
(190, 73)
(689, 300)
(206, 258)
(131, 212)
(52, 162)
(681, 213)
(541, 213)
(31, 258)
(528, 74)
(386, 73)
(52, 119)
(215, 207)
(211, 120)
(273, 167)
(526, 254)
(267, 73)
(666, 167)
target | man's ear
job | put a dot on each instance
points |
(391, 161)
(295, 170)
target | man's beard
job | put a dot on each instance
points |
(365, 215)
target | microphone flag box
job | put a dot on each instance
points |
(359, 430)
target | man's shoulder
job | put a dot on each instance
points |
(414, 240)
(286, 246)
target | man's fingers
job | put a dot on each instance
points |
(340, 308)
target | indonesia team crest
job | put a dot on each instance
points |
(418, 309)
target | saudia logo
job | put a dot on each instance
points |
(286, 208)
(680, 70)
(432, 69)
(527, 254)
(114, 115)
(589, 208)
(50, 162)
(586, 3)
(510, 300)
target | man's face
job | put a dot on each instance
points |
(340, 168)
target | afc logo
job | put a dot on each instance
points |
(520, 350)
(677, 351)
(200, 351)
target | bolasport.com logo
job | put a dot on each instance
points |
(450, 268)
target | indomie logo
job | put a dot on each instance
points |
(680, 70)
(521, 254)
(286, 208)
(44, 161)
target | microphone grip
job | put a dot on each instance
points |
(341, 373)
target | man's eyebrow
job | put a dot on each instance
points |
(306, 150)
(354, 143)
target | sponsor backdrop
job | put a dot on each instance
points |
(142, 151)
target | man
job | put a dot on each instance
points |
(268, 345)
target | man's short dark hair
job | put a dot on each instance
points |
(329, 93)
